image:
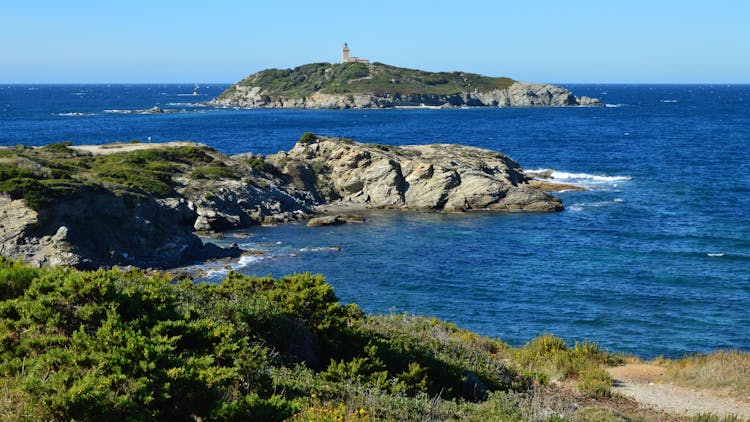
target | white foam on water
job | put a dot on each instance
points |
(181, 104)
(614, 105)
(584, 180)
(246, 260)
(320, 249)
(714, 254)
(216, 273)
(572, 177)
(74, 114)
(669, 101)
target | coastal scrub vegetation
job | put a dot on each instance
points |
(375, 78)
(42, 175)
(723, 370)
(109, 344)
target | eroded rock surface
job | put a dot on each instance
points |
(429, 177)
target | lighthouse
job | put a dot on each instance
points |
(345, 53)
(346, 57)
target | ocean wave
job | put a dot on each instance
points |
(321, 249)
(152, 110)
(179, 104)
(578, 179)
(715, 254)
(668, 101)
(571, 177)
(614, 105)
(246, 260)
(74, 114)
(580, 206)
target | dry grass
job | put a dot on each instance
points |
(726, 371)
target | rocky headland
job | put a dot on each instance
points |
(145, 204)
(360, 86)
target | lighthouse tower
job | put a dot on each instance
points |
(346, 58)
(345, 54)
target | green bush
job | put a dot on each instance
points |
(122, 345)
(548, 358)
(307, 138)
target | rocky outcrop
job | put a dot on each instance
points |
(519, 94)
(97, 228)
(103, 223)
(334, 220)
(425, 177)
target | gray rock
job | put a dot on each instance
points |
(519, 94)
(431, 177)
(334, 220)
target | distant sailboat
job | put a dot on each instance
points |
(195, 89)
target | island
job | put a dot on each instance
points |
(361, 85)
(142, 205)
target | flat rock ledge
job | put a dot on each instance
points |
(334, 220)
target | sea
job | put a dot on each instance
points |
(652, 260)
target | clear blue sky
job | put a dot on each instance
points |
(222, 41)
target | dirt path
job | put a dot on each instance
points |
(645, 384)
(115, 148)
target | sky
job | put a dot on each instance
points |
(582, 41)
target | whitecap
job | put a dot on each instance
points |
(246, 260)
(668, 101)
(74, 114)
(181, 104)
(320, 249)
(714, 254)
(614, 105)
(586, 177)
(618, 200)
(214, 273)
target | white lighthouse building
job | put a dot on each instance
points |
(346, 57)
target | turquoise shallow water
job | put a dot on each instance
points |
(654, 259)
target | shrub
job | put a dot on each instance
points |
(307, 138)
(59, 148)
(15, 277)
(549, 358)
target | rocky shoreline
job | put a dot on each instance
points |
(97, 220)
(519, 94)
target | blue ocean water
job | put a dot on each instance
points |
(653, 260)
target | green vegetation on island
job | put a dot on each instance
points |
(375, 78)
(42, 175)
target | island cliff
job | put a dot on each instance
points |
(142, 204)
(377, 85)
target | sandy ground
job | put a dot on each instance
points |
(645, 384)
(115, 148)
